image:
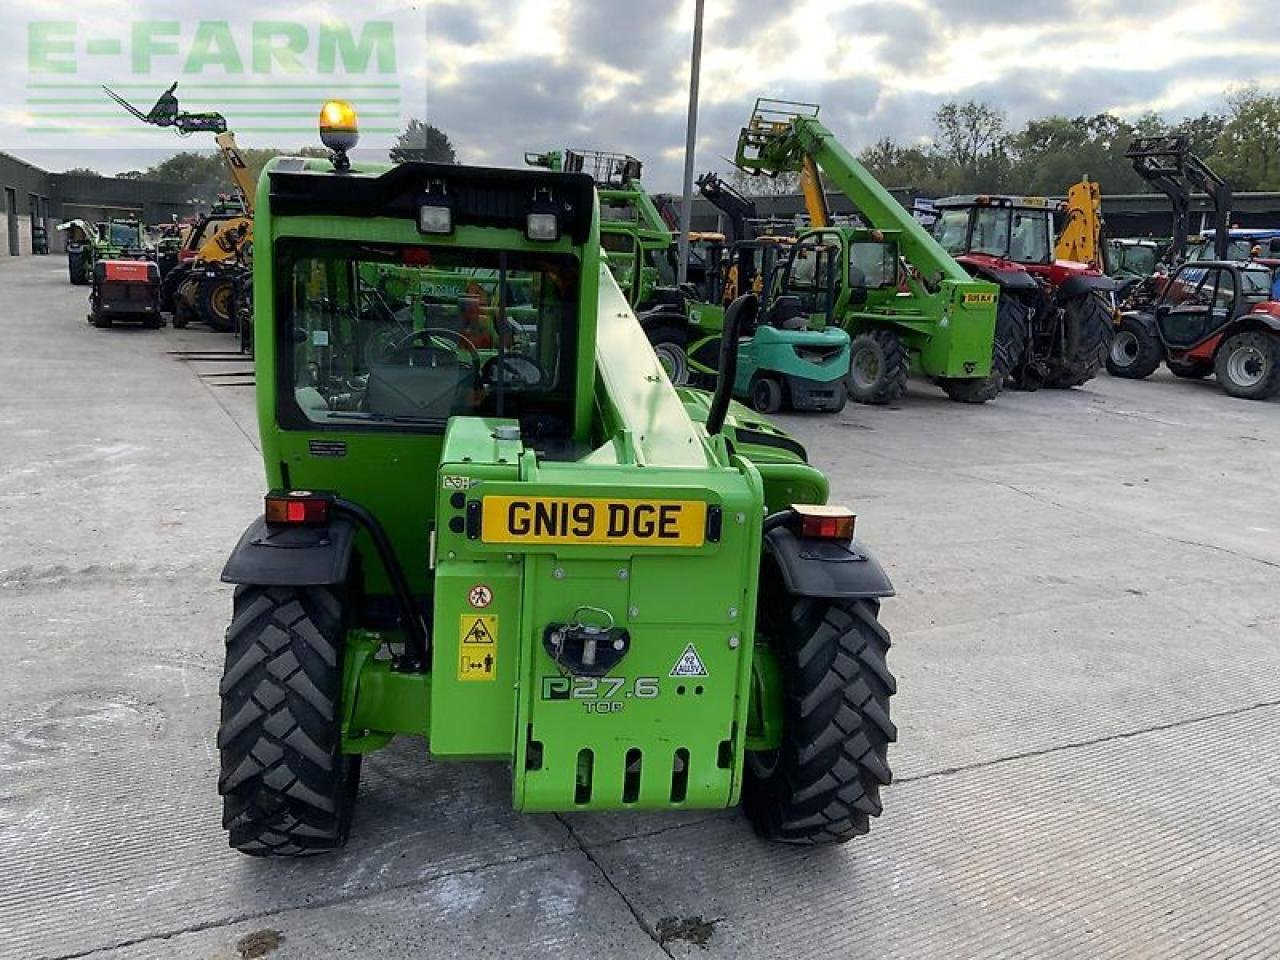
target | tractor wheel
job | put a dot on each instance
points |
(878, 367)
(78, 269)
(99, 319)
(1135, 352)
(1248, 365)
(1087, 325)
(215, 304)
(822, 784)
(184, 307)
(1190, 369)
(287, 788)
(669, 344)
(1007, 348)
(766, 395)
(169, 286)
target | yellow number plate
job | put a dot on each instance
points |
(574, 520)
(979, 299)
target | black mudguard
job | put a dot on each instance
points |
(292, 556)
(1016, 280)
(1079, 286)
(823, 568)
(1267, 321)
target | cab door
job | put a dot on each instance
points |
(1197, 301)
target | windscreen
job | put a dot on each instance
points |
(124, 235)
(395, 335)
(951, 230)
(1256, 284)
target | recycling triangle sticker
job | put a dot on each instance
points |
(689, 664)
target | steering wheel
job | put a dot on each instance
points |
(401, 349)
(513, 370)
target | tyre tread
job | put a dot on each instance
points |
(287, 789)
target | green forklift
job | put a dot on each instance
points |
(484, 513)
(908, 306)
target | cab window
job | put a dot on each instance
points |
(386, 336)
(873, 265)
(951, 230)
(991, 231)
(1029, 242)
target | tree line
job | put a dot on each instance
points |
(974, 149)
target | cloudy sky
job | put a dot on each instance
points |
(505, 76)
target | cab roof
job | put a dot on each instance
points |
(478, 196)
(995, 200)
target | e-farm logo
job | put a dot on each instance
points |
(268, 76)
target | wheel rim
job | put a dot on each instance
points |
(1124, 349)
(674, 362)
(865, 369)
(1247, 366)
(220, 302)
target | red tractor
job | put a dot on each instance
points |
(1213, 317)
(1055, 316)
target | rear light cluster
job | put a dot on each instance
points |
(825, 522)
(297, 508)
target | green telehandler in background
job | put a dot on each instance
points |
(905, 302)
(120, 238)
(493, 523)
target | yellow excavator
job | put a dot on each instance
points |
(1082, 238)
(219, 249)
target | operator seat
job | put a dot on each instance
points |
(420, 382)
(786, 313)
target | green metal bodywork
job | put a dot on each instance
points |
(946, 318)
(572, 740)
(107, 240)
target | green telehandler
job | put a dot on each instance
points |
(908, 306)
(493, 523)
(87, 243)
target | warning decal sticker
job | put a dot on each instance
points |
(478, 647)
(689, 664)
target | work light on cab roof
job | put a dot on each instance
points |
(339, 130)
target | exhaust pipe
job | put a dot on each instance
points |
(741, 313)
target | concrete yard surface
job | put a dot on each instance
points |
(1086, 641)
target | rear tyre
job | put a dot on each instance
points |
(766, 395)
(1248, 365)
(287, 788)
(215, 304)
(1007, 348)
(1087, 323)
(1190, 369)
(878, 367)
(822, 784)
(99, 319)
(78, 268)
(1135, 352)
(169, 285)
(669, 344)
